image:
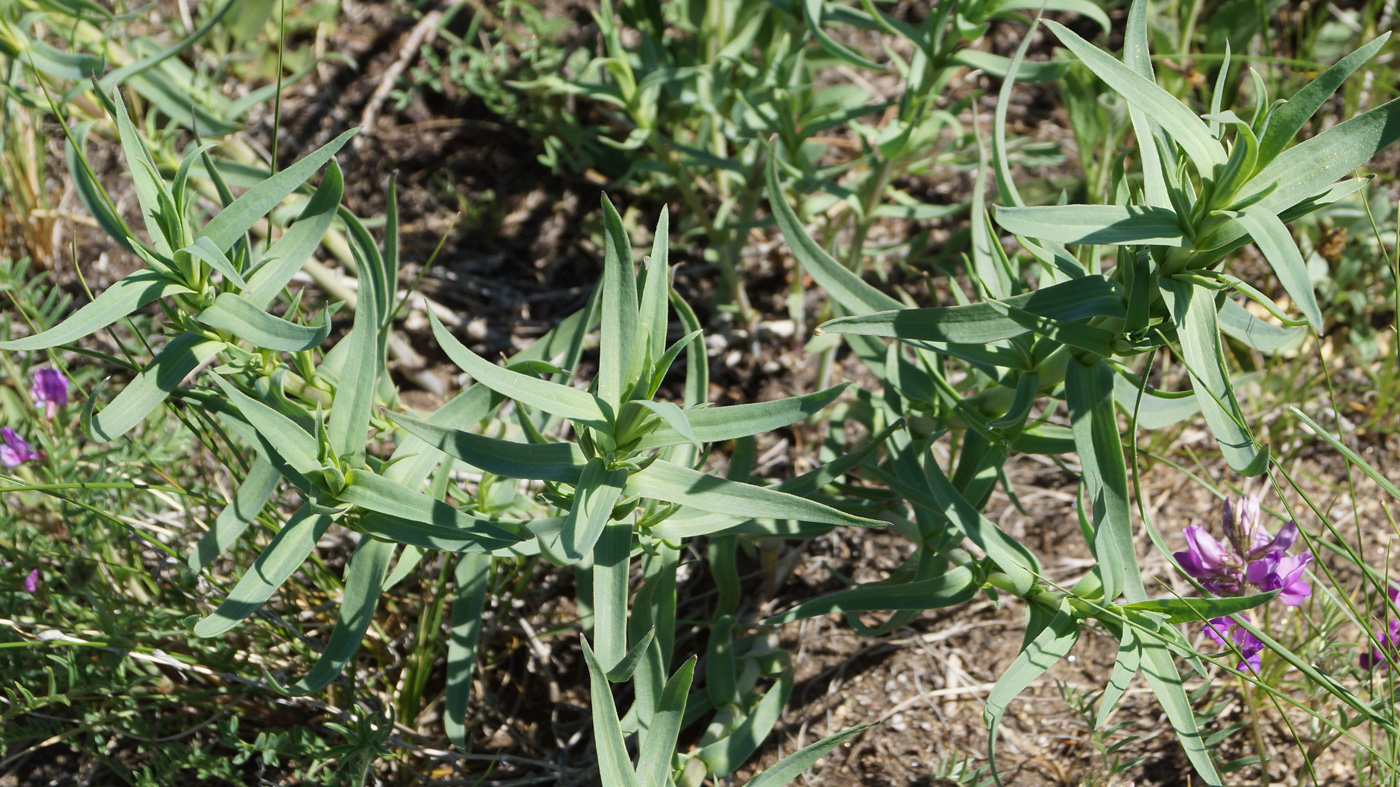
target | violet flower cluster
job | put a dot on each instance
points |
(1249, 560)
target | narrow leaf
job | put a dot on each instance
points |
(555, 399)
(242, 318)
(284, 554)
(248, 501)
(229, 225)
(1193, 310)
(116, 302)
(1096, 224)
(153, 384)
(1186, 128)
(615, 769)
(675, 484)
(470, 579)
(364, 575)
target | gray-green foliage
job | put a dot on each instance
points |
(690, 100)
(1055, 323)
(606, 478)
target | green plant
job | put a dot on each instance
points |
(687, 95)
(1071, 338)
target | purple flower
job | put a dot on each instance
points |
(31, 582)
(1224, 630)
(1275, 571)
(1380, 657)
(1250, 556)
(15, 451)
(1389, 640)
(51, 390)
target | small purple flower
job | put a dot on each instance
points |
(15, 451)
(31, 582)
(1275, 571)
(51, 390)
(1223, 630)
(1389, 640)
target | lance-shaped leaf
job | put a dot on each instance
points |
(229, 225)
(610, 572)
(955, 587)
(797, 763)
(379, 494)
(561, 400)
(348, 424)
(675, 484)
(624, 669)
(656, 290)
(998, 66)
(839, 282)
(658, 744)
(90, 190)
(1288, 119)
(1160, 671)
(615, 769)
(1090, 296)
(622, 355)
(240, 317)
(157, 205)
(1238, 323)
(718, 424)
(470, 579)
(284, 554)
(1193, 310)
(672, 419)
(692, 523)
(453, 538)
(594, 498)
(248, 501)
(1010, 555)
(812, 15)
(299, 242)
(1053, 643)
(1274, 240)
(1089, 394)
(364, 575)
(727, 754)
(206, 252)
(153, 384)
(1109, 225)
(1125, 668)
(1136, 56)
(1308, 168)
(282, 435)
(1186, 128)
(116, 302)
(560, 462)
(1195, 610)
